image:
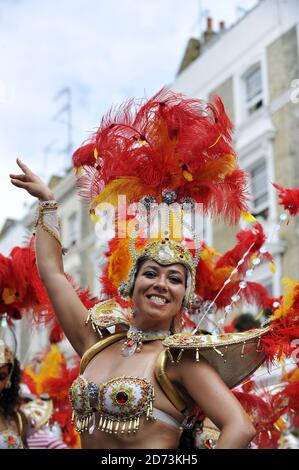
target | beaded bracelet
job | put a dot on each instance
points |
(47, 218)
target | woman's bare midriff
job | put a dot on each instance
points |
(151, 435)
(156, 434)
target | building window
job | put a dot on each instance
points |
(259, 189)
(72, 228)
(253, 90)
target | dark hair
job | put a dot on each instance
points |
(187, 439)
(246, 321)
(10, 396)
(137, 269)
(188, 436)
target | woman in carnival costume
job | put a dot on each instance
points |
(12, 421)
(18, 421)
(140, 378)
(21, 415)
(22, 294)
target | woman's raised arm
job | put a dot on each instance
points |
(68, 308)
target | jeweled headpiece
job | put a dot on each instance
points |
(164, 252)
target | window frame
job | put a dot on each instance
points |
(264, 206)
(256, 102)
(73, 228)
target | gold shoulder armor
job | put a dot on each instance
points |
(38, 412)
(107, 313)
(234, 355)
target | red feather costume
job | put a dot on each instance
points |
(169, 141)
(21, 289)
(212, 270)
(289, 198)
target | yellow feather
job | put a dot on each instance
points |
(295, 375)
(80, 171)
(247, 217)
(209, 252)
(279, 424)
(8, 295)
(282, 360)
(129, 186)
(141, 142)
(50, 367)
(95, 218)
(259, 315)
(288, 298)
(95, 153)
(176, 228)
(217, 170)
(187, 175)
(272, 267)
(216, 141)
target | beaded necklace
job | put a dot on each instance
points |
(135, 339)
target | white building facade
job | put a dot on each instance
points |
(254, 67)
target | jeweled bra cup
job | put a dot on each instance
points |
(80, 398)
(10, 440)
(121, 403)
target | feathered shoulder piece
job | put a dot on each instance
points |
(107, 313)
(234, 355)
(284, 323)
(168, 142)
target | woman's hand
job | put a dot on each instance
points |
(32, 183)
(205, 386)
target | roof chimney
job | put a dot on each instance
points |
(209, 33)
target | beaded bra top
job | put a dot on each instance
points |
(10, 440)
(121, 402)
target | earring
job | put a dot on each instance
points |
(133, 312)
(122, 290)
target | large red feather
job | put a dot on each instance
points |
(169, 141)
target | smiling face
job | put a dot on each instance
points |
(158, 294)
(4, 375)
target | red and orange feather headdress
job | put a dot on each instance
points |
(169, 141)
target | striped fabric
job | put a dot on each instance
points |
(45, 440)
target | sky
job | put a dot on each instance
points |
(104, 52)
